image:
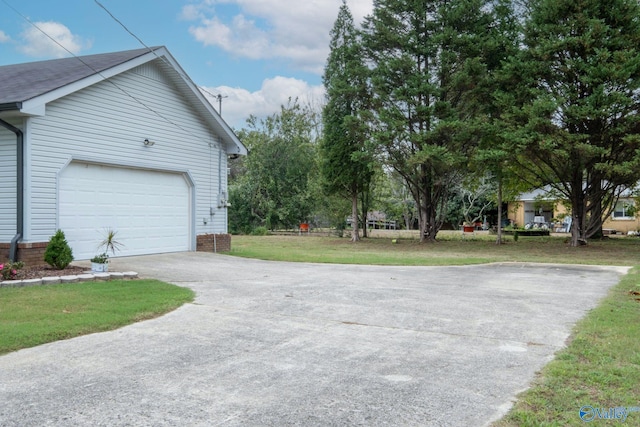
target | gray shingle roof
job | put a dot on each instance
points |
(22, 82)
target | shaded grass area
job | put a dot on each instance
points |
(31, 316)
(449, 250)
(599, 368)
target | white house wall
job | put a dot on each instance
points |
(108, 123)
(7, 184)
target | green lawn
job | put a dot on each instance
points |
(601, 365)
(452, 249)
(35, 315)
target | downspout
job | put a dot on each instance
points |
(13, 250)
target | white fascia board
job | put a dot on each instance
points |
(33, 109)
(37, 106)
(232, 143)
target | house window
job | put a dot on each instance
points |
(624, 210)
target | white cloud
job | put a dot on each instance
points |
(190, 12)
(4, 37)
(35, 43)
(239, 103)
(268, 29)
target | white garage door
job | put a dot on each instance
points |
(148, 209)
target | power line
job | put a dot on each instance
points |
(98, 72)
(121, 24)
(184, 76)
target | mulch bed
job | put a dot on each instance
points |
(45, 271)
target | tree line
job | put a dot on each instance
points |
(430, 101)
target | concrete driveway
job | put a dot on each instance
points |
(282, 344)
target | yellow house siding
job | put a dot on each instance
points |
(621, 225)
(515, 213)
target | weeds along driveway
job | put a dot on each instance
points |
(277, 344)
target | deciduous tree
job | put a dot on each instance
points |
(276, 190)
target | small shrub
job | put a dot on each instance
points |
(260, 231)
(103, 258)
(9, 270)
(58, 253)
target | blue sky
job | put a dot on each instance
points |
(257, 53)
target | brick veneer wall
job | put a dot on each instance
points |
(31, 254)
(205, 242)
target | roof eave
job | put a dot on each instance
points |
(36, 105)
(11, 106)
(231, 141)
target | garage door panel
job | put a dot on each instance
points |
(148, 209)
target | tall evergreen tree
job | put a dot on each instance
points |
(576, 88)
(346, 166)
(493, 156)
(429, 69)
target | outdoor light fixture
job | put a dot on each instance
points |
(148, 143)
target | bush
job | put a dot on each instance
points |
(260, 231)
(58, 253)
(9, 270)
(524, 233)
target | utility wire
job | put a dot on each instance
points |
(121, 24)
(218, 96)
(98, 72)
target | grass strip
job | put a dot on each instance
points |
(35, 315)
(600, 367)
(451, 249)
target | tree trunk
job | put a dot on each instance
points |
(430, 221)
(593, 228)
(364, 201)
(428, 215)
(355, 232)
(579, 213)
(499, 238)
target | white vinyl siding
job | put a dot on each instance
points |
(103, 124)
(8, 182)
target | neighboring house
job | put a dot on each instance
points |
(534, 205)
(537, 204)
(120, 140)
(624, 218)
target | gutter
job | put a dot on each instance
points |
(13, 251)
(11, 106)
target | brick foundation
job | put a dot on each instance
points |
(205, 243)
(32, 254)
